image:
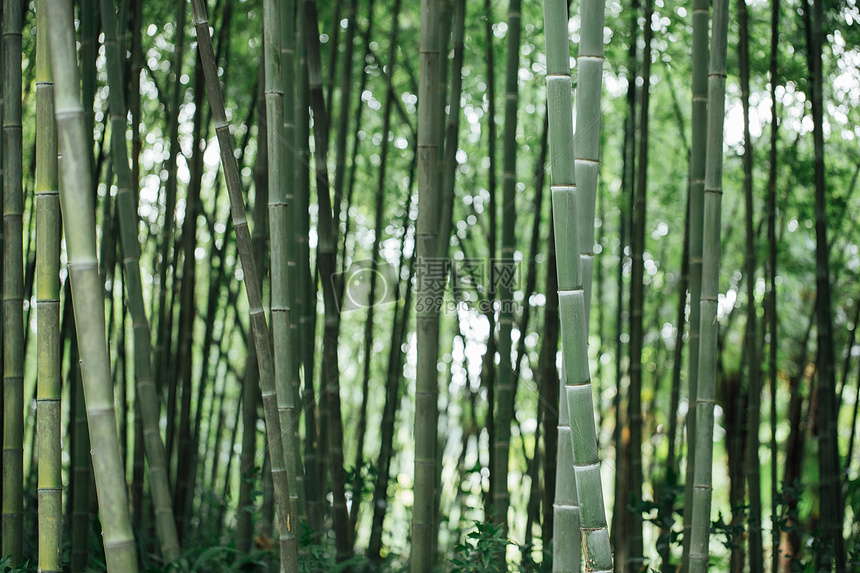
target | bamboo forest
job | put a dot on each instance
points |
(441, 286)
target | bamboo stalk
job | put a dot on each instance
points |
(829, 465)
(286, 523)
(751, 339)
(76, 201)
(771, 290)
(326, 257)
(505, 393)
(288, 71)
(379, 224)
(634, 558)
(697, 185)
(428, 292)
(392, 383)
(701, 501)
(126, 203)
(279, 237)
(48, 405)
(13, 287)
(585, 462)
(162, 349)
(306, 291)
(589, 85)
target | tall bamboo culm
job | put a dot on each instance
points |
(697, 186)
(288, 74)
(567, 539)
(13, 286)
(428, 292)
(751, 340)
(78, 211)
(306, 293)
(331, 420)
(589, 85)
(585, 465)
(771, 279)
(701, 502)
(265, 362)
(506, 393)
(126, 204)
(278, 238)
(48, 405)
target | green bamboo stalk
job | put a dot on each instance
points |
(488, 372)
(79, 222)
(549, 395)
(753, 416)
(13, 287)
(305, 294)
(48, 405)
(345, 89)
(162, 352)
(428, 295)
(566, 540)
(126, 202)
(288, 71)
(278, 237)
(379, 225)
(326, 257)
(634, 559)
(334, 49)
(577, 387)
(136, 66)
(81, 466)
(771, 276)
(505, 394)
(697, 185)
(829, 464)
(620, 516)
(701, 501)
(589, 85)
(392, 383)
(286, 522)
(251, 381)
(247, 473)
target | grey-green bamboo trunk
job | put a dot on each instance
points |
(428, 292)
(48, 405)
(76, 199)
(701, 502)
(585, 465)
(13, 287)
(699, 75)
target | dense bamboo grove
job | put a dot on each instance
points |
(372, 285)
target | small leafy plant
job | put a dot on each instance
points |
(483, 551)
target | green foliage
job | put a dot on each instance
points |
(661, 513)
(483, 550)
(318, 554)
(216, 559)
(5, 566)
(733, 532)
